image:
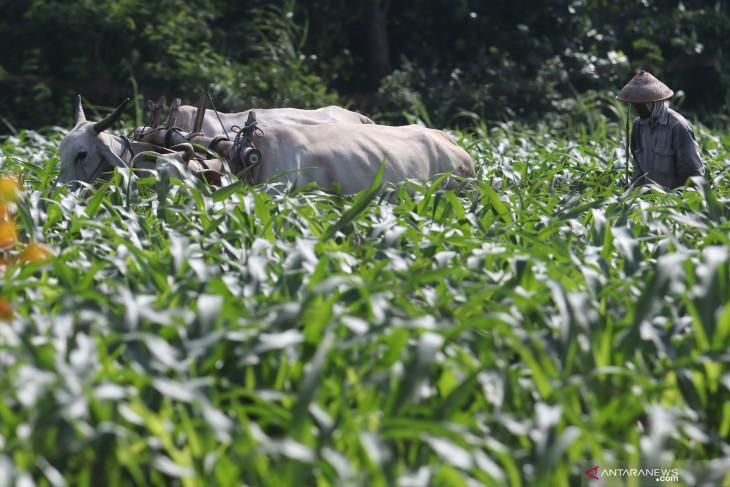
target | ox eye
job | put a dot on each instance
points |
(81, 155)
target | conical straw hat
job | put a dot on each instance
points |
(644, 88)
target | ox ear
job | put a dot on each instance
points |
(109, 155)
(80, 117)
(110, 119)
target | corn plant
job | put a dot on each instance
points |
(505, 334)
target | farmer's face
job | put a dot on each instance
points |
(642, 109)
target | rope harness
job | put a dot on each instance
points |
(168, 135)
(210, 97)
(242, 145)
(127, 147)
(215, 142)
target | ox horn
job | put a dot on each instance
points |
(110, 119)
(80, 117)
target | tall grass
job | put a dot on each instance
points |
(501, 335)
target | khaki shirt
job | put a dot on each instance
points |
(666, 152)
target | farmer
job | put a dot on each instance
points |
(663, 143)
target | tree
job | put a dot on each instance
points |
(378, 48)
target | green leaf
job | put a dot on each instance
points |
(497, 205)
(226, 191)
(361, 202)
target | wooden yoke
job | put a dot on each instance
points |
(172, 118)
(200, 112)
(239, 158)
(156, 112)
(224, 148)
(172, 137)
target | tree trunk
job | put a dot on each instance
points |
(376, 38)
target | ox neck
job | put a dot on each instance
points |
(122, 147)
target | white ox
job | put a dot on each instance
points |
(348, 155)
(351, 155)
(185, 118)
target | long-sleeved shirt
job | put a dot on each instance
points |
(665, 152)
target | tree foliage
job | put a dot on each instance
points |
(497, 60)
(517, 59)
(107, 50)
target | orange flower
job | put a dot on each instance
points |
(34, 252)
(10, 188)
(6, 311)
(8, 234)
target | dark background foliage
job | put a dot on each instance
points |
(443, 59)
